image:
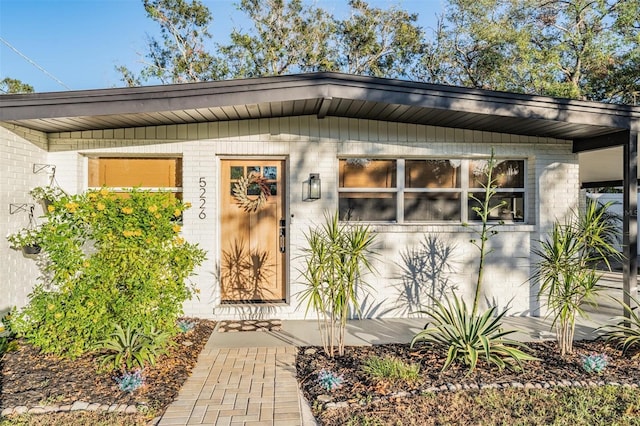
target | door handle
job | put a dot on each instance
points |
(282, 235)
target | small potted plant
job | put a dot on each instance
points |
(27, 239)
(47, 194)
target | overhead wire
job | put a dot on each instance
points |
(25, 57)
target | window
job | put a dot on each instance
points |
(427, 190)
(146, 173)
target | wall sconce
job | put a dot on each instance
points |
(314, 188)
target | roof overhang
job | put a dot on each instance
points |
(320, 94)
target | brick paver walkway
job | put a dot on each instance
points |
(239, 386)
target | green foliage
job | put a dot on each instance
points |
(468, 337)
(111, 259)
(10, 85)
(626, 331)
(337, 258)
(129, 348)
(390, 368)
(49, 193)
(567, 266)
(7, 336)
(30, 237)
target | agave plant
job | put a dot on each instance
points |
(129, 347)
(468, 336)
(626, 331)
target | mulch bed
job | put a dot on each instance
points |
(29, 378)
(550, 370)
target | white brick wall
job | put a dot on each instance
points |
(313, 146)
(18, 273)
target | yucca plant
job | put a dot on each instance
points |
(128, 347)
(625, 333)
(468, 337)
(336, 259)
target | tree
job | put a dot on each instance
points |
(10, 85)
(181, 54)
(585, 49)
(378, 42)
(286, 38)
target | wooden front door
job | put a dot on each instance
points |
(253, 231)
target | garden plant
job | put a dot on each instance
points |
(109, 259)
(567, 266)
(336, 259)
(468, 335)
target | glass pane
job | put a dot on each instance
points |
(273, 188)
(365, 173)
(507, 173)
(270, 172)
(432, 206)
(512, 210)
(253, 189)
(237, 172)
(367, 207)
(432, 174)
(253, 169)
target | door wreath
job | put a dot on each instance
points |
(239, 191)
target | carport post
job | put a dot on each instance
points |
(630, 218)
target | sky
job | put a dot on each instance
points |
(79, 43)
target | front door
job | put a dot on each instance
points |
(253, 231)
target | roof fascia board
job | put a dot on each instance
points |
(601, 142)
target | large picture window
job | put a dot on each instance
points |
(122, 173)
(427, 190)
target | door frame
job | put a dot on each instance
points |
(285, 212)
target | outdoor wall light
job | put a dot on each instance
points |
(314, 188)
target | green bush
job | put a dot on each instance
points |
(110, 259)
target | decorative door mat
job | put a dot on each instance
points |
(249, 325)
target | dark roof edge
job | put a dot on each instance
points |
(171, 91)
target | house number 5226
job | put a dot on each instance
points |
(203, 198)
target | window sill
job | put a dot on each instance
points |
(443, 227)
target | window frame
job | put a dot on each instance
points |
(120, 189)
(463, 190)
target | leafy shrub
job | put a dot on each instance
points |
(595, 363)
(129, 382)
(111, 259)
(625, 333)
(390, 368)
(567, 266)
(336, 260)
(329, 380)
(128, 348)
(467, 336)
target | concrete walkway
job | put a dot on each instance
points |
(249, 378)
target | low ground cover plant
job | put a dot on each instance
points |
(108, 259)
(391, 368)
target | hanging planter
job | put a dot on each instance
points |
(251, 203)
(47, 195)
(27, 239)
